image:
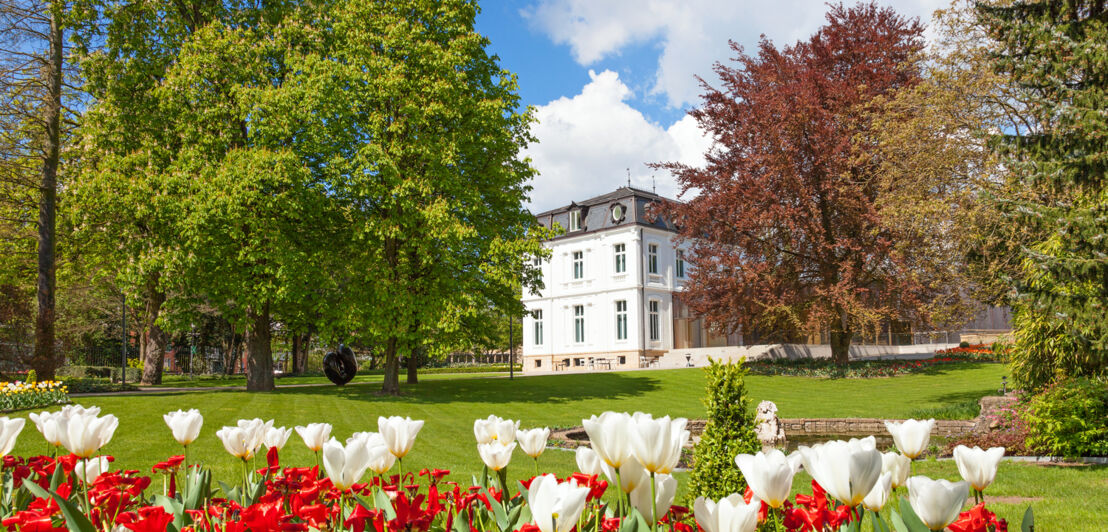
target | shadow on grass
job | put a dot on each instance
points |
(544, 389)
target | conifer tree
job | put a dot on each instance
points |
(729, 432)
(1055, 50)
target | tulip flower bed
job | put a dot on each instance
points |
(825, 368)
(18, 395)
(625, 482)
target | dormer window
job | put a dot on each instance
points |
(575, 220)
(617, 213)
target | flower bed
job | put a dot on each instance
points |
(353, 486)
(825, 368)
(18, 395)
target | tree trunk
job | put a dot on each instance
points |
(259, 359)
(305, 346)
(840, 339)
(294, 355)
(391, 384)
(413, 366)
(45, 360)
(153, 339)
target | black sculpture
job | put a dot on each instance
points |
(340, 367)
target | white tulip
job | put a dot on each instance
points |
(315, 435)
(345, 465)
(495, 428)
(185, 425)
(770, 475)
(937, 502)
(610, 437)
(912, 436)
(277, 437)
(84, 434)
(236, 440)
(256, 430)
(533, 441)
(898, 465)
(588, 462)
(976, 466)
(730, 514)
(496, 455)
(555, 507)
(380, 459)
(631, 475)
(9, 431)
(78, 410)
(665, 488)
(89, 470)
(657, 443)
(879, 495)
(399, 433)
(49, 425)
(847, 470)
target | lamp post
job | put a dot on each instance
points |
(123, 345)
(511, 350)
(192, 349)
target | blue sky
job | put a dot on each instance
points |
(612, 80)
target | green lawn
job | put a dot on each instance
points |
(205, 381)
(450, 403)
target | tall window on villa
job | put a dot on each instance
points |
(654, 332)
(680, 266)
(537, 315)
(579, 323)
(652, 258)
(621, 320)
(578, 265)
(621, 258)
(574, 220)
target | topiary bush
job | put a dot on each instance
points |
(1070, 418)
(728, 432)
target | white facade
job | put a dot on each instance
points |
(595, 282)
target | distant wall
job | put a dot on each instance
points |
(680, 358)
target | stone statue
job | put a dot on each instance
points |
(768, 428)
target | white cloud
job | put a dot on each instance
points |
(692, 34)
(587, 143)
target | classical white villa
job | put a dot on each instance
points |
(612, 300)
(612, 289)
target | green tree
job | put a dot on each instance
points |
(126, 201)
(729, 432)
(1055, 50)
(432, 132)
(37, 97)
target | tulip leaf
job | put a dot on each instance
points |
(878, 523)
(1028, 524)
(909, 517)
(75, 520)
(199, 483)
(897, 522)
(381, 502)
(460, 523)
(524, 516)
(499, 513)
(175, 508)
(57, 478)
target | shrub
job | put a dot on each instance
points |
(98, 372)
(963, 344)
(1048, 347)
(728, 432)
(1070, 418)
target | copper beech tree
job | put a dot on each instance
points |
(787, 234)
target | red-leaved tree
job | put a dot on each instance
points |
(787, 233)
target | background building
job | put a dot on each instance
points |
(612, 285)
